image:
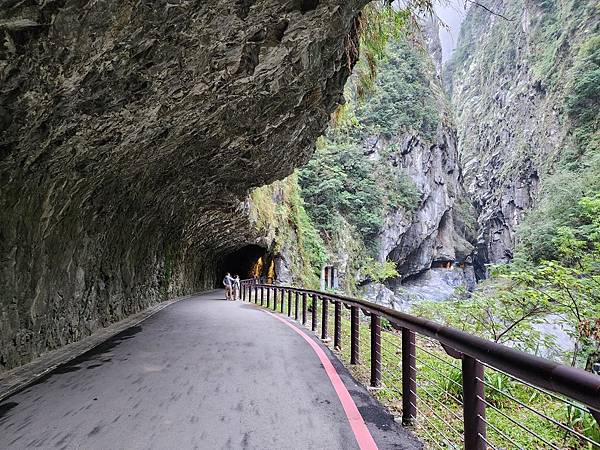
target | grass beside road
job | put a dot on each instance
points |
(439, 396)
(514, 412)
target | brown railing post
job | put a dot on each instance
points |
(313, 324)
(296, 306)
(268, 297)
(243, 293)
(325, 318)
(409, 377)
(255, 294)
(337, 327)
(474, 407)
(289, 303)
(304, 308)
(281, 307)
(375, 350)
(275, 299)
(354, 335)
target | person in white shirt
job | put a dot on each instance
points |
(236, 287)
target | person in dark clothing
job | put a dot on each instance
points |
(228, 283)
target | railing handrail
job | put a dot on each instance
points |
(569, 381)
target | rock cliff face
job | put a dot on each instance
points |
(428, 235)
(435, 232)
(432, 241)
(429, 242)
(129, 134)
(430, 245)
(509, 83)
(507, 79)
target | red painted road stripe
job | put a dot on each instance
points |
(357, 423)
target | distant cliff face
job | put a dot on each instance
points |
(129, 134)
(508, 82)
(433, 232)
(431, 242)
(390, 171)
(428, 154)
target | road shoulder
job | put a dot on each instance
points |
(386, 431)
(17, 379)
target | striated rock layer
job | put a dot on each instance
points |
(129, 133)
(508, 81)
(428, 235)
(432, 244)
(436, 231)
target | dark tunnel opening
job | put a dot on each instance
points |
(249, 261)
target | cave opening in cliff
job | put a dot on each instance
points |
(250, 261)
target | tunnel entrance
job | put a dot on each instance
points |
(251, 261)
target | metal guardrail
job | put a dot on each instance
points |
(474, 353)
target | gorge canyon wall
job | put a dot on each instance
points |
(509, 81)
(506, 141)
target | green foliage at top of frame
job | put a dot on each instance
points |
(402, 99)
(382, 22)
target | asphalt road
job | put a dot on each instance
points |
(202, 373)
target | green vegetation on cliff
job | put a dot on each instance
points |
(342, 181)
(577, 172)
(349, 179)
(380, 23)
(556, 29)
(278, 213)
(583, 99)
(403, 100)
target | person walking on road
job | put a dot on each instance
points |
(236, 287)
(228, 283)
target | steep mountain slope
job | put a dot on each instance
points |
(516, 82)
(387, 176)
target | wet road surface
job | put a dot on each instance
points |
(202, 373)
